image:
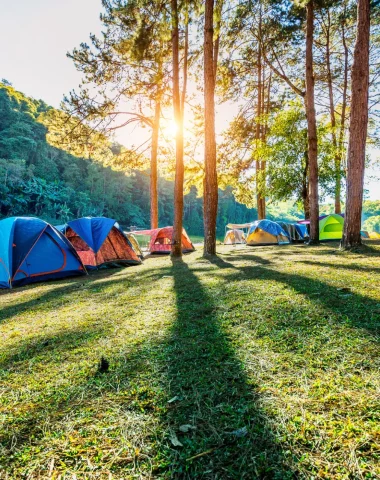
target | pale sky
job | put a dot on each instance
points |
(35, 36)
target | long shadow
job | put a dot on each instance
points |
(349, 307)
(230, 436)
(193, 364)
(77, 384)
(239, 257)
(370, 248)
(343, 266)
(59, 290)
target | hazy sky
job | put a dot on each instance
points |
(35, 36)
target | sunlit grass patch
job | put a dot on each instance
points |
(261, 364)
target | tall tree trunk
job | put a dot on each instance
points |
(266, 110)
(358, 129)
(258, 135)
(210, 198)
(342, 130)
(337, 153)
(185, 61)
(179, 171)
(218, 16)
(311, 127)
(153, 167)
(305, 187)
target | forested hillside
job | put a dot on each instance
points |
(39, 179)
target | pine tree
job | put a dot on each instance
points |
(358, 129)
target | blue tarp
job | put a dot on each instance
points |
(268, 226)
(93, 230)
(31, 250)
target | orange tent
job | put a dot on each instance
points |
(161, 240)
(100, 241)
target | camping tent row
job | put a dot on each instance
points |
(265, 232)
(32, 250)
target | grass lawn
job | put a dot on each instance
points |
(262, 364)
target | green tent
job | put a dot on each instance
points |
(331, 227)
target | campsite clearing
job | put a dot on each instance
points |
(263, 363)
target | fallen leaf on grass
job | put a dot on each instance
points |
(175, 441)
(174, 399)
(240, 432)
(186, 428)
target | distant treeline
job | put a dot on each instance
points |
(39, 179)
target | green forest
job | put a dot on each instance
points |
(39, 179)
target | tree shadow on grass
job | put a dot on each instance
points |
(349, 307)
(230, 436)
(217, 260)
(72, 388)
(343, 266)
(56, 291)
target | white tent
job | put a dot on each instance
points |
(234, 236)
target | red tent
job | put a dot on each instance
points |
(161, 240)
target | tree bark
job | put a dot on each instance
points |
(305, 187)
(185, 61)
(258, 135)
(344, 97)
(266, 110)
(311, 127)
(358, 129)
(210, 197)
(218, 15)
(179, 171)
(153, 168)
(337, 153)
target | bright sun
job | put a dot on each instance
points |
(170, 128)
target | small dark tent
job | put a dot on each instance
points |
(302, 230)
(295, 232)
(31, 250)
(100, 241)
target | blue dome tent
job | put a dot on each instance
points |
(266, 232)
(31, 250)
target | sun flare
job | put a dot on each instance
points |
(170, 128)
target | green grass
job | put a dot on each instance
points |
(199, 239)
(269, 355)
